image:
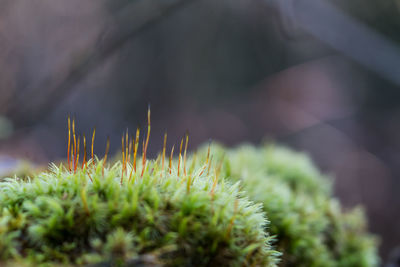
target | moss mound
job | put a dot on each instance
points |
(162, 218)
(151, 214)
(310, 226)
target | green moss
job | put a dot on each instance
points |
(208, 211)
(61, 217)
(311, 227)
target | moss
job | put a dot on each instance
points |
(208, 210)
(89, 216)
(310, 225)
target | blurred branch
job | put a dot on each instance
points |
(136, 17)
(344, 34)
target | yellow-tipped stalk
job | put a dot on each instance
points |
(69, 143)
(184, 154)
(74, 136)
(170, 159)
(93, 135)
(135, 147)
(123, 158)
(180, 156)
(147, 142)
(126, 149)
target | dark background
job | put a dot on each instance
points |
(319, 76)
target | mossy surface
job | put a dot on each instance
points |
(63, 217)
(311, 227)
(202, 210)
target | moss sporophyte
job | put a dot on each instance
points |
(215, 207)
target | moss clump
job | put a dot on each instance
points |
(152, 214)
(310, 226)
(90, 216)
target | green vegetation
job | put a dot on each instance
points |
(310, 226)
(209, 209)
(67, 217)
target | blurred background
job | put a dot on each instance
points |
(319, 76)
